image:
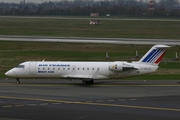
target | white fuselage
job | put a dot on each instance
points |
(90, 71)
(79, 70)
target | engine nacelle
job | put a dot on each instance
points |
(120, 66)
(116, 66)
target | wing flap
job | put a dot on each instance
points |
(91, 76)
(78, 76)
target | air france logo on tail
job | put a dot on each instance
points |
(154, 55)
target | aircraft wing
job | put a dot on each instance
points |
(78, 76)
(89, 77)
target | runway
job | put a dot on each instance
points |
(106, 99)
(90, 40)
(87, 18)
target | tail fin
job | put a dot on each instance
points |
(154, 55)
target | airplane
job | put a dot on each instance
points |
(90, 71)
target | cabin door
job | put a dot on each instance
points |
(32, 68)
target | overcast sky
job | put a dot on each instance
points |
(36, 1)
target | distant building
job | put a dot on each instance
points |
(150, 9)
(151, 6)
(94, 14)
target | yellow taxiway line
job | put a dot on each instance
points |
(88, 103)
(100, 85)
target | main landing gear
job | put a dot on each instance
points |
(17, 81)
(88, 82)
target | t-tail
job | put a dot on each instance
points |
(154, 55)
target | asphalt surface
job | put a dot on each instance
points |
(44, 99)
(90, 40)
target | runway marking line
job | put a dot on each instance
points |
(64, 85)
(99, 100)
(31, 104)
(132, 99)
(43, 104)
(55, 103)
(8, 106)
(19, 105)
(89, 103)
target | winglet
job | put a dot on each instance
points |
(154, 55)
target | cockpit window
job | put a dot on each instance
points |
(20, 66)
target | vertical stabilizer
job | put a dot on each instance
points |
(154, 55)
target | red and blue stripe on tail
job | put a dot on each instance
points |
(154, 55)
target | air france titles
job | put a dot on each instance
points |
(50, 67)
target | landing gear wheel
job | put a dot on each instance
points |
(17, 81)
(91, 81)
(88, 82)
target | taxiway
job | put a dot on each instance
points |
(106, 99)
(89, 40)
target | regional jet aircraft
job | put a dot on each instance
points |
(90, 71)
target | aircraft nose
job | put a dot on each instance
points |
(7, 73)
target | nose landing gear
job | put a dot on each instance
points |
(17, 81)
